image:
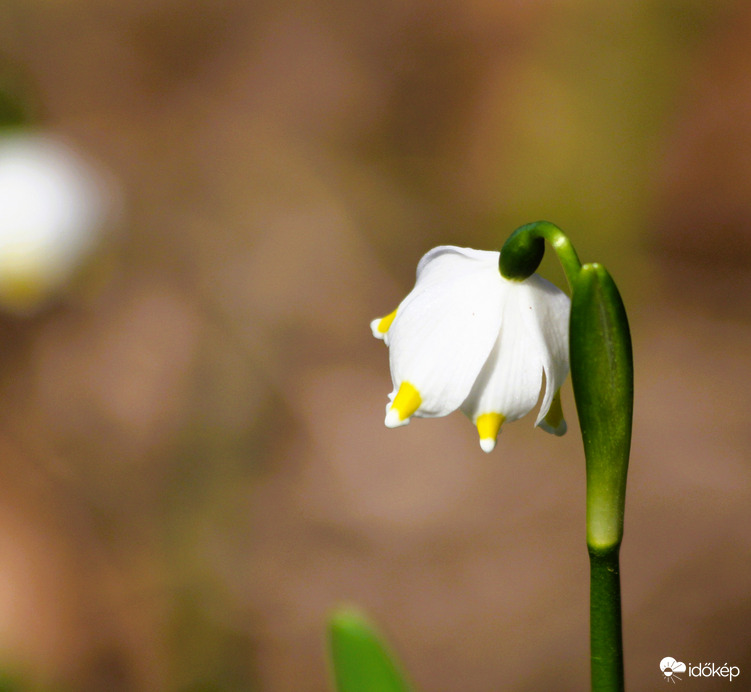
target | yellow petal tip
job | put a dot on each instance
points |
(554, 422)
(380, 325)
(488, 426)
(404, 405)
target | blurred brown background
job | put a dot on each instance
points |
(194, 468)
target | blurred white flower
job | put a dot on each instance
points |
(467, 338)
(54, 207)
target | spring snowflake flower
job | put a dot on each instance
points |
(54, 207)
(467, 338)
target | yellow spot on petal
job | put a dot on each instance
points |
(554, 416)
(406, 401)
(385, 322)
(488, 425)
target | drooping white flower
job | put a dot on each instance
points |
(467, 338)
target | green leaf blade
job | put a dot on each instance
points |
(361, 661)
(602, 374)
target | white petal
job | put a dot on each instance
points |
(446, 327)
(547, 324)
(533, 339)
(511, 379)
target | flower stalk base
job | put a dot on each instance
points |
(605, 621)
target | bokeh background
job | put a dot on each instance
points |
(193, 464)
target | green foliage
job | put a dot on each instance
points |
(359, 658)
(602, 374)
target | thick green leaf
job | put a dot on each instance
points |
(602, 374)
(360, 660)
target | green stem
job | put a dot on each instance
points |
(605, 621)
(602, 375)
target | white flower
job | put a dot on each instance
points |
(54, 206)
(467, 338)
